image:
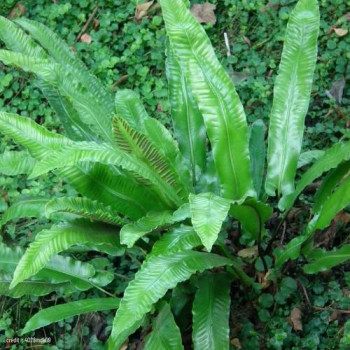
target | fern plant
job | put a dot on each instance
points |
(177, 197)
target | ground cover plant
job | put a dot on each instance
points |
(159, 170)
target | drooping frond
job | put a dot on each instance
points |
(84, 207)
(80, 152)
(15, 163)
(130, 233)
(60, 312)
(58, 238)
(156, 276)
(26, 208)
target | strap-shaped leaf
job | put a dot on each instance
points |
(291, 251)
(80, 152)
(188, 121)
(291, 97)
(25, 132)
(60, 312)
(24, 209)
(130, 233)
(63, 54)
(333, 205)
(156, 276)
(16, 40)
(331, 159)
(58, 238)
(84, 207)
(176, 240)
(208, 213)
(16, 163)
(332, 179)
(129, 107)
(96, 181)
(31, 287)
(257, 151)
(84, 102)
(62, 272)
(70, 119)
(211, 309)
(140, 147)
(115, 189)
(165, 333)
(252, 215)
(216, 97)
(322, 260)
(309, 157)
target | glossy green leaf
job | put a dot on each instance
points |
(69, 117)
(84, 101)
(24, 209)
(17, 40)
(309, 157)
(257, 151)
(333, 205)
(331, 159)
(156, 276)
(211, 309)
(208, 213)
(58, 238)
(130, 233)
(122, 193)
(30, 288)
(291, 251)
(140, 147)
(165, 333)
(332, 179)
(96, 181)
(291, 97)
(80, 152)
(322, 260)
(216, 97)
(252, 215)
(176, 240)
(188, 121)
(129, 107)
(60, 312)
(63, 54)
(16, 163)
(64, 273)
(84, 207)
(35, 138)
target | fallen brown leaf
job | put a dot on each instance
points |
(86, 38)
(250, 252)
(295, 319)
(341, 32)
(96, 23)
(343, 217)
(236, 343)
(204, 13)
(17, 11)
(334, 316)
(247, 41)
(142, 9)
